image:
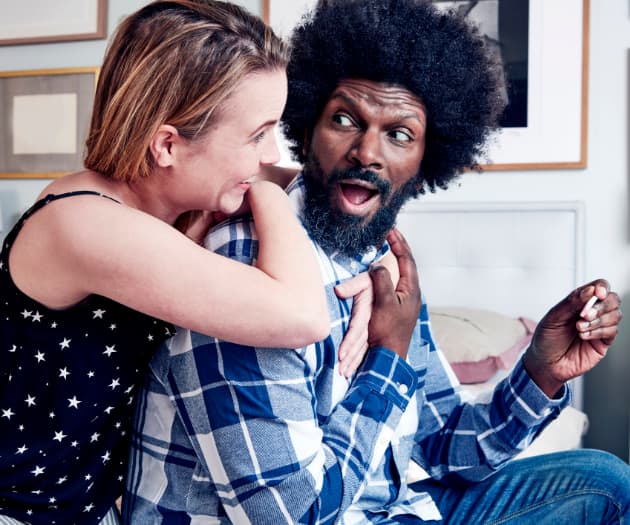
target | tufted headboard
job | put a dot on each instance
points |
(516, 258)
(513, 258)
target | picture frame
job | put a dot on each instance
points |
(555, 136)
(40, 21)
(44, 119)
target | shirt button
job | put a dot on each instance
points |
(403, 389)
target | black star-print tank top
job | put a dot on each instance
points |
(67, 381)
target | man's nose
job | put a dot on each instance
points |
(367, 151)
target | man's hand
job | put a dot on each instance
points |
(569, 341)
(395, 311)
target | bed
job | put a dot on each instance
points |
(489, 272)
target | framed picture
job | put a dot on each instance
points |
(44, 118)
(36, 21)
(544, 48)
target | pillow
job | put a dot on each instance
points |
(478, 343)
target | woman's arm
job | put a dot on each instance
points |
(87, 244)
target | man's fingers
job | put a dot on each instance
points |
(382, 283)
(406, 264)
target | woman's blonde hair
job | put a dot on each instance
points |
(172, 62)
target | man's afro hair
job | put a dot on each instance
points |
(437, 56)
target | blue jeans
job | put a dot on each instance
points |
(587, 487)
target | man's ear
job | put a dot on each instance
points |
(162, 145)
(306, 144)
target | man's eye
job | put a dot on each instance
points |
(342, 119)
(400, 136)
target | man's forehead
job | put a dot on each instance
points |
(381, 93)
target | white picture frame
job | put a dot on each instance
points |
(38, 21)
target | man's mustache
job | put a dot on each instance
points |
(382, 186)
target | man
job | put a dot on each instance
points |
(386, 98)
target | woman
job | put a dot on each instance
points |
(94, 273)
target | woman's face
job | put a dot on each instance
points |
(219, 166)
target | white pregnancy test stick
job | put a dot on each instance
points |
(589, 304)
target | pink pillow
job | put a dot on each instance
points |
(478, 343)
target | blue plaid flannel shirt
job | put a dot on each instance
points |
(231, 434)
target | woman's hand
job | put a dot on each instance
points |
(355, 342)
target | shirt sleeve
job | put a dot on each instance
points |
(460, 442)
(255, 421)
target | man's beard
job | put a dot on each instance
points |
(336, 231)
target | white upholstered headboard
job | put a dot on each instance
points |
(516, 258)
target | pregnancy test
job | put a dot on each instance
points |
(588, 305)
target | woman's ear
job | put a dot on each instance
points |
(162, 145)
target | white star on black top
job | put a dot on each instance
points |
(53, 325)
(105, 457)
(150, 337)
(94, 437)
(109, 350)
(37, 317)
(30, 400)
(13, 349)
(114, 383)
(40, 356)
(98, 313)
(74, 402)
(90, 374)
(22, 449)
(7, 413)
(63, 372)
(38, 470)
(88, 508)
(26, 313)
(65, 343)
(112, 326)
(59, 436)
(62, 480)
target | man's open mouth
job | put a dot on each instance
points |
(357, 193)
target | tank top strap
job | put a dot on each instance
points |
(38, 205)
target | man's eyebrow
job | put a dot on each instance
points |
(346, 98)
(404, 116)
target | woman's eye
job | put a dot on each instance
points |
(401, 136)
(259, 138)
(342, 119)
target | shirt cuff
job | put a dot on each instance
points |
(386, 372)
(528, 402)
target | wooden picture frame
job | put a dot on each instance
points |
(44, 119)
(40, 21)
(555, 136)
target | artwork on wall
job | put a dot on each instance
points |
(44, 117)
(544, 48)
(37, 21)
